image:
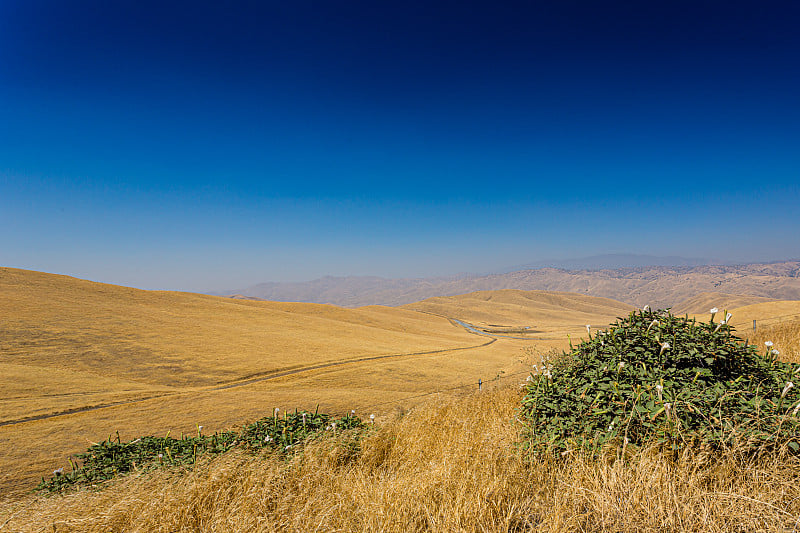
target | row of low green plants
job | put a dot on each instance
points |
(654, 376)
(280, 434)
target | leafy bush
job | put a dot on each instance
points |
(657, 377)
(110, 458)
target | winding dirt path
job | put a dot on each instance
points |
(241, 382)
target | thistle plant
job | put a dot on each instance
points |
(657, 377)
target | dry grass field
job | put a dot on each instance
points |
(777, 321)
(547, 314)
(442, 456)
(104, 358)
(704, 301)
(448, 465)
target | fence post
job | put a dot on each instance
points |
(479, 383)
(754, 325)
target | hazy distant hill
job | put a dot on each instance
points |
(615, 261)
(658, 286)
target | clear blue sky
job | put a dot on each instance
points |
(213, 145)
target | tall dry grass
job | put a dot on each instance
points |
(449, 465)
(785, 337)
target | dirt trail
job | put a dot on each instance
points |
(240, 382)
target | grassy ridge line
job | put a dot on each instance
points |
(240, 383)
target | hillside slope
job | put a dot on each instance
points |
(537, 310)
(80, 360)
(706, 300)
(179, 339)
(766, 314)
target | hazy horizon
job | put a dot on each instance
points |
(196, 146)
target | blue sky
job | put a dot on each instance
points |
(203, 146)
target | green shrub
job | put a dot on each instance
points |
(657, 377)
(110, 458)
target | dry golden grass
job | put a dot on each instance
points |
(765, 314)
(33, 449)
(777, 321)
(167, 339)
(548, 314)
(704, 301)
(449, 465)
(70, 344)
(785, 337)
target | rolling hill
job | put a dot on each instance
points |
(80, 360)
(766, 314)
(540, 311)
(706, 300)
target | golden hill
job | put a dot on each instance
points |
(449, 464)
(706, 300)
(80, 360)
(766, 314)
(540, 311)
(168, 339)
(777, 322)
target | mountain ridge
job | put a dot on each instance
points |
(657, 286)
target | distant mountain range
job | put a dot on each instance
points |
(657, 286)
(615, 261)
